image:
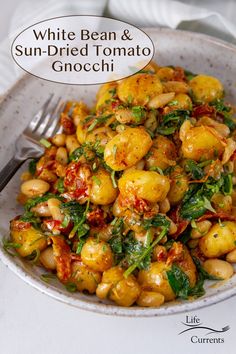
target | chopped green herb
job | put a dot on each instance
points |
(189, 75)
(60, 185)
(179, 281)
(32, 167)
(197, 199)
(157, 169)
(113, 179)
(89, 151)
(157, 221)
(116, 239)
(224, 111)
(8, 246)
(144, 257)
(33, 257)
(114, 150)
(34, 201)
(77, 214)
(130, 99)
(203, 272)
(47, 277)
(98, 121)
(227, 187)
(112, 91)
(80, 245)
(96, 180)
(172, 121)
(138, 113)
(71, 287)
(30, 217)
(45, 143)
(173, 103)
(194, 169)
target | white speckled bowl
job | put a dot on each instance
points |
(196, 52)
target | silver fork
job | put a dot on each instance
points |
(44, 124)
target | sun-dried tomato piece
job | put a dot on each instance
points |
(96, 217)
(203, 110)
(77, 181)
(179, 74)
(62, 254)
(175, 253)
(181, 224)
(18, 225)
(67, 124)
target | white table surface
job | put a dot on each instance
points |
(32, 323)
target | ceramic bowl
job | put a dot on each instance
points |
(195, 52)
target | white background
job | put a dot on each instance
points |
(32, 323)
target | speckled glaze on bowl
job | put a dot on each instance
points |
(197, 53)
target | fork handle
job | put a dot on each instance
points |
(8, 171)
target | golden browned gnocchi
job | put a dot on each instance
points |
(103, 192)
(219, 240)
(123, 290)
(206, 88)
(27, 238)
(155, 279)
(127, 148)
(148, 185)
(97, 254)
(84, 278)
(134, 200)
(202, 143)
(139, 89)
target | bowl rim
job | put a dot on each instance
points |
(109, 309)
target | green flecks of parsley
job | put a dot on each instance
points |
(71, 287)
(189, 75)
(116, 241)
(113, 179)
(138, 113)
(180, 283)
(142, 258)
(225, 112)
(156, 221)
(77, 214)
(32, 166)
(47, 277)
(156, 169)
(60, 185)
(96, 121)
(96, 180)
(172, 121)
(89, 151)
(10, 246)
(30, 217)
(34, 201)
(193, 168)
(197, 199)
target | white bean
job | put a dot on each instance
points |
(59, 139)
(53, 206)
(231, 257)
(164, 206)
(202, 227)
(71, 143)
(61, 156)
(218, 268)
(47, 259)
(161, 100)
(150, 299)
(34, 187)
